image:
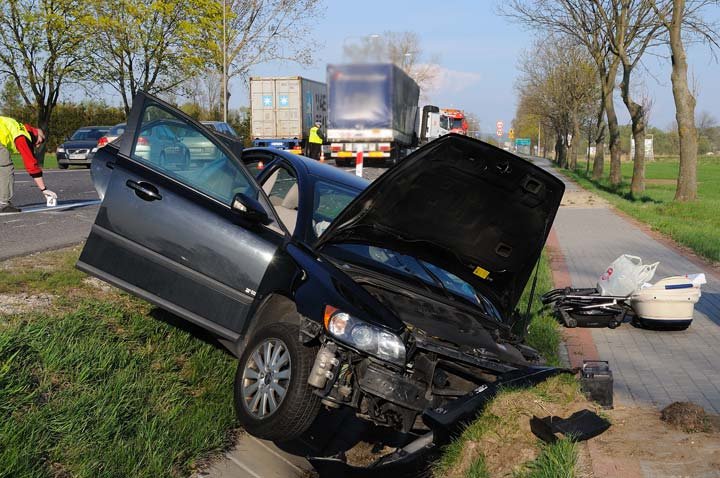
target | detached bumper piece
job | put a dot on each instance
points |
(580, 426)
(446, 423)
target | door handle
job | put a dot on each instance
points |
(143, 190)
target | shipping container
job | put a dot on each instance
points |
(283, 109)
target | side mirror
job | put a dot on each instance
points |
(250, 209)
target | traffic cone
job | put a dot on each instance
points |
(322, 155)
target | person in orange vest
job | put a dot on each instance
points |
(16, 137)
(315, 141)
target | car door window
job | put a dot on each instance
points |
(198, 162)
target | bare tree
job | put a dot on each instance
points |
(706, 120)
(577, 19)
(259, 31)
(631, 28)
(558, 83)
(401, 48)
(40, 50)
(676, 16)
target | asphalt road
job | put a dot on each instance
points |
(25, 233)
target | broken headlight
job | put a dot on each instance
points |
(365, 337)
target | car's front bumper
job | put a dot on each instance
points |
(66, 159)
(445, 424)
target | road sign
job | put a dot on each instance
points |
(522, 142)
(499, 132)
(500, 125)
(511, 134)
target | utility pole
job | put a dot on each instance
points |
(538, 140)
(224, 68)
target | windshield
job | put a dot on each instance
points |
(428, 273)
(117, 130)
(330, 199)
(88, 134)
(456, 123)
(444, 122)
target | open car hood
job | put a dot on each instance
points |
(475, 210)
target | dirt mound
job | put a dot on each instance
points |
(640, 444)
(582, 199)
(686, 416)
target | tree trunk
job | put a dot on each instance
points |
(599, 160)
(637, 185)
(561, 150)
(575, 145)
(637, 118)
(44, 113)
(613, 128)
(684, 110)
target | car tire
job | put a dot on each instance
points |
(295, 411)
(62, 166)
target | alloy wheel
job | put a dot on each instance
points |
(266, 378)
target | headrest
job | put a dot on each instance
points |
(291, 198)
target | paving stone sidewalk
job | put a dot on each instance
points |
(649, 367)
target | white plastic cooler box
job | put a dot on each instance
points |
(669, 303)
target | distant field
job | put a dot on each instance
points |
(696, 224)
(50, 161)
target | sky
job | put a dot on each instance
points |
(477, 51)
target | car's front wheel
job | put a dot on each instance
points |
(272, 397)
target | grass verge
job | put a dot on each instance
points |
(50, 162)
(693, 224)
(93, 386)
(499, 442)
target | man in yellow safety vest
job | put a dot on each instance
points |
(16, 137)
(315, 141)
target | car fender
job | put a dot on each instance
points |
(299, 283)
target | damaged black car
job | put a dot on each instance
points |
(396, 299)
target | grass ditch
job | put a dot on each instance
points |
(92, 386)
(499, 442)
(693, 224)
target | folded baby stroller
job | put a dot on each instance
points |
(606, 304)
(587, 307)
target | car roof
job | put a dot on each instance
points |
(93, 127)
(317, 169)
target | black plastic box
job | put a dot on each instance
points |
(596, 381)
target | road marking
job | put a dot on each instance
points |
(60, 207)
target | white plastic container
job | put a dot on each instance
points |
(669, 303)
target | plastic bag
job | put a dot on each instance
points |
(625, 275)
(697, 279)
